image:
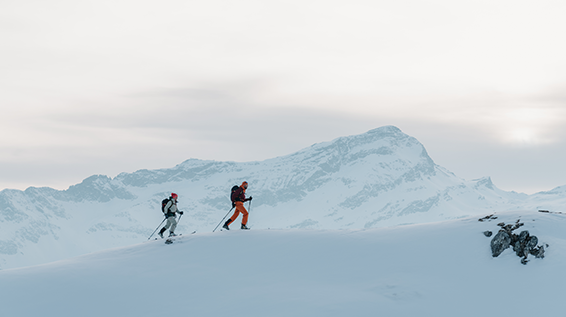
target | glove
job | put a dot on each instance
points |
(250, 199)
(180, 212)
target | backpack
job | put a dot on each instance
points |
(234, 194)
(164, 203)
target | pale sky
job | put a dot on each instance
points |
(103, 87)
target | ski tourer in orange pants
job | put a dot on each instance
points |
(238, 198)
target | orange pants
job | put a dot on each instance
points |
(240, 209)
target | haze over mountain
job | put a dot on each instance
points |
(380, 178)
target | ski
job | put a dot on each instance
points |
(249, 228)
(172, 239)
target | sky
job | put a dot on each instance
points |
(104, 87)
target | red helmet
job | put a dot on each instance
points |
(174, 196)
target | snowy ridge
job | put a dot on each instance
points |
(440, 269)
(377, 179)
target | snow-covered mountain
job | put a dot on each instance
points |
(380, 178)
(441, 269)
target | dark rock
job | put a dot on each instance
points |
(531, 244)
(524, 237)
(538, 252)
(523, 243)
(518, 248)
(487, 218)
(517, 226)
(500, 242)
(487, 233)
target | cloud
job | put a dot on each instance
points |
(161, 128)
(88, 145)
(105, 85)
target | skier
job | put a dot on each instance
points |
(170, 212)
(238, 199)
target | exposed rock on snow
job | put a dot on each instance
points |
(523, 244)
(486, 218)
(500, 242)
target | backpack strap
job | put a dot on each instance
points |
(166, 209)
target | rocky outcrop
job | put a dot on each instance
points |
(500, 243)
(523, 243)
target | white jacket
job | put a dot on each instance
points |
(171, 208)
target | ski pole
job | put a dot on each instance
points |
(222, 219)
(157, 228)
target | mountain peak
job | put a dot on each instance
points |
(387, 140)
(390, 136)
(386, 130)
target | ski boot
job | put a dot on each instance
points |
(225, 226)
(244, 227)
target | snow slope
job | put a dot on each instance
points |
(435, 269)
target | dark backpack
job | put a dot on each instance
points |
(164, 203)
(234, 194)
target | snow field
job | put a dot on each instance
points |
(439, 269)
